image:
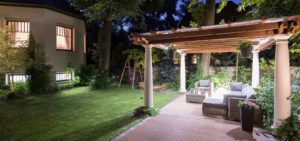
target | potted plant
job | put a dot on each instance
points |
(247, 108)
(245, 48)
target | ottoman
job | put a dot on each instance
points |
(214, 106)
(195, 98)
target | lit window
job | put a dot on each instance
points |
(64, 38)
(20, 33)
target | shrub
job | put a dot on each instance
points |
(265, 98)
(195, 76)
(166, 71)
(86, 74)
(101, 81)
(70, 84)
(40, 78)
(174, 84)
(20, 88)
(143, 111)
(221, 78)
(244, 75)
(289, 129)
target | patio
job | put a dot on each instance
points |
(179, 121)
(224, 38)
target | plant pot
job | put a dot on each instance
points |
(247, 52)
(247, 119)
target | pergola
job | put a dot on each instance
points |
(225, 38)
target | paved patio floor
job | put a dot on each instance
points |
(182, 121)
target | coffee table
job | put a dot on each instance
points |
(196, 98)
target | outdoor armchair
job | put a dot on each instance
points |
(204, 85)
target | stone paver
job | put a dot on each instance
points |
(182, 121)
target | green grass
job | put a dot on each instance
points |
(75, 114)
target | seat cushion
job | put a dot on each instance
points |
(236, 93)
(204, 83)
(214, 102)
(236, 86)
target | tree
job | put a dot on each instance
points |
(203, 12)
(11, 59)
(268, 8)
(105, 12)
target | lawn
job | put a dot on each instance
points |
(75, 114)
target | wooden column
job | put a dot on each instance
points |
(148, 75)
(182, 73)
(282, 105)
(255, 69)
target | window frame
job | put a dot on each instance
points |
(19, 20)
(72, 37)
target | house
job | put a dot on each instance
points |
(56, 26)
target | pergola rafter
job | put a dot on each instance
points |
(199, 39)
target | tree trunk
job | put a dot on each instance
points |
(105, 45)
(209, 20)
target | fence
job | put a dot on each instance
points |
(60, 77)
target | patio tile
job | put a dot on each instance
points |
(182, 121)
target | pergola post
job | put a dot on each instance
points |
(282, 105)
(255, 69)
(182, 73)
(148, 74)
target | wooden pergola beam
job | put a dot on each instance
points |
(208, 51)
(253, 34)
(200, 32)
(205, 47)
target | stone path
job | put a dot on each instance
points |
(182, 121)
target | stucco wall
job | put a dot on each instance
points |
(43, 27)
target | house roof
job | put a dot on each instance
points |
(61, 6)
(220, 38)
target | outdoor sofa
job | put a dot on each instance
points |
(228, 106)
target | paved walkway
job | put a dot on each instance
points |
(182, 121)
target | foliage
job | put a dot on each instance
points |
(143, 111)
(244, 75)
(195, 76)
(166, 71)
(12, 59)
(244, 45)
(101, 81)
(221, 78)
(70, 84)
(135, 54)
(248, 104)
(174, 84)
(104, 9)
(289, 129)
(197, 10)
(20, 88)
(266, 67)
(265, 98)
(295, 40)
(86, 74)
(39, 72)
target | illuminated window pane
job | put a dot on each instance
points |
(20, 33)
(64, 38)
